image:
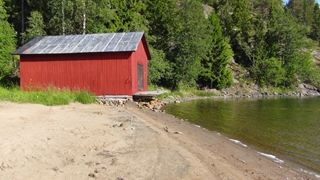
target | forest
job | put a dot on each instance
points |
(192, 42)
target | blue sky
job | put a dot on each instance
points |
(286, 1)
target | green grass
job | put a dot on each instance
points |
(163, 96)
(49, 97)
(197, 93)
(271, 90)
(178, 94)
(187, 92)
(84, 97)
(205, 94)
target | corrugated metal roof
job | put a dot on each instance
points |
(88, 43)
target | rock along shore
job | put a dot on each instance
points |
(249, 91)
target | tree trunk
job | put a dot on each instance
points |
(62, 11)
(84, 17)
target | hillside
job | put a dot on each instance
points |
(192, 43)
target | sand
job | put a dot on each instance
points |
(99, 142)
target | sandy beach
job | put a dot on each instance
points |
(79, 141)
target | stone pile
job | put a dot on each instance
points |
(114, 101)
(247, 91)
(244, 91)
(153, 104)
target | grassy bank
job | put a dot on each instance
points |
(184, 92)
(48, 97)
(250, 90)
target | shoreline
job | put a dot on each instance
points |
(275, 157)
(286, 163)
(79, 141)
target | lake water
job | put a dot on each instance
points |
(286, 127)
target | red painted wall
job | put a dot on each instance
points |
(101, 74)
(139, 57)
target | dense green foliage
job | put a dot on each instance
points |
(268, 39)
(189, 40)
(192, 42)
(36, 27)
(214, 65)
(7, 43)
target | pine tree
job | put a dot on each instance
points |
(307, 15)
(36, 27)
(295, 7)
(214, 66)
(7, 43)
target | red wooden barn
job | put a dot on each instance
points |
(104, 64)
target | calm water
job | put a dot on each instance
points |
(286, 127)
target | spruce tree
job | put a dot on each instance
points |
(214, 67)
(224, 9)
